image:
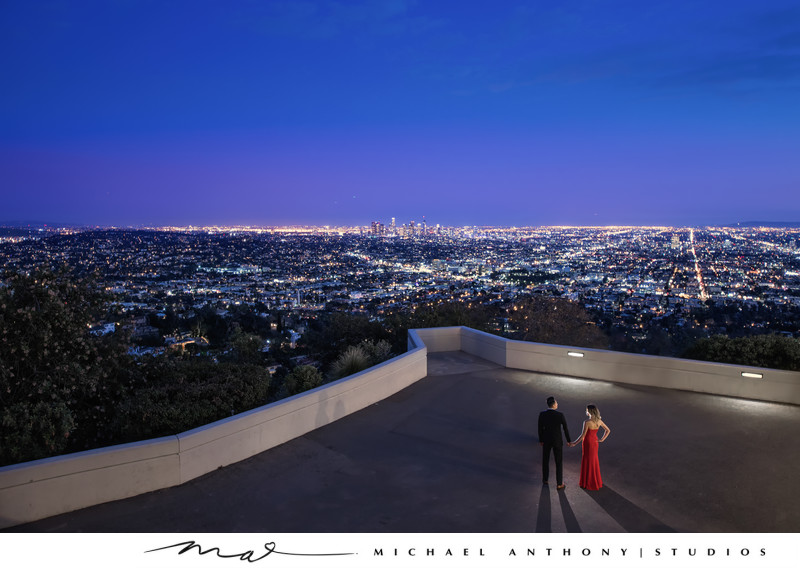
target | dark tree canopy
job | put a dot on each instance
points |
(58, 382)
(770, 351)
(176, 395)
(334, 332)
(303, 378)
(555, 320)
(63, 389)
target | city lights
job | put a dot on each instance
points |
(645, 282)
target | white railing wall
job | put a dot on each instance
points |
(43, 488)
(595, 364)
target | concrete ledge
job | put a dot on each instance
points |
(489, 347)
(665, 372)
(43, 488)
(232, 440)
(440, 339)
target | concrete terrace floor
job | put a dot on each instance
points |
(457, 452)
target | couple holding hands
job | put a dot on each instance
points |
(551, 421)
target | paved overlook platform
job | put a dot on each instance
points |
(457, 452)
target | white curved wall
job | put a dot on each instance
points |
(43, 488)
(665, 372)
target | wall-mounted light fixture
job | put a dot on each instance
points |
(753, 375)
(574, 354)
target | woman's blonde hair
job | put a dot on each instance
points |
(593, 411)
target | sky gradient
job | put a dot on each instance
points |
(145, 112)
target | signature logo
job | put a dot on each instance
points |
(249, 556)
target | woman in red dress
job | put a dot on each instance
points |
(590, 463)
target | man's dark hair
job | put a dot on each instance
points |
(551, 401)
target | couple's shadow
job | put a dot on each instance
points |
(628, 515)
(544, 520)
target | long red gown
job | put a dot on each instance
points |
(590, 463)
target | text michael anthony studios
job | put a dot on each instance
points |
(446, 551)
(680, 551)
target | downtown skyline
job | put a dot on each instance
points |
(340, 113)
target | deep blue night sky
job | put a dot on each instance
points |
(342, 112)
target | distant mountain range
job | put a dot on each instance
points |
(762, 224)
(36, 224)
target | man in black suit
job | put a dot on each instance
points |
(550, 423)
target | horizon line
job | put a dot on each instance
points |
(240, 227)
